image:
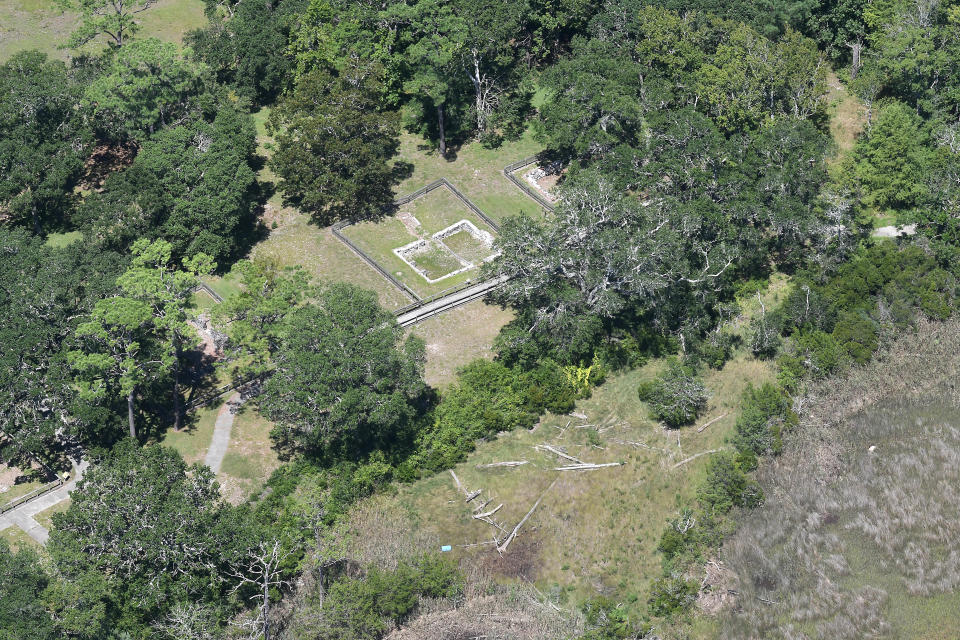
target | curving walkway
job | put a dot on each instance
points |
(221, 433)
(23, 516)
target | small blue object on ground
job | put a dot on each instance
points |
(446, 547)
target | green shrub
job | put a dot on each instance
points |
(857, 336)
(675, 398)
(548, 388)
(607, 620)
(716, 349)
(727, 486)
(764, 413)
(671, 595)
(362, 608)
(765, 336)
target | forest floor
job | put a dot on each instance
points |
(39, 24)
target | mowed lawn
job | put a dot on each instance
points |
(476, 171)
(39, 24)
(421, 218)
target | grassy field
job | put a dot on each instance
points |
(594, 532)
(477, 172)
(45, 517)
(250, 457)
(193, 440)
(457, 337)
(39, 24)
(434, 212)
(18, 539)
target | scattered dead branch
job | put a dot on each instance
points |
(557, 452)
(587, 466)
(473, 494)
(513, 534)
(507, 463)
(481, 516)
(694, 457)
(700, 429)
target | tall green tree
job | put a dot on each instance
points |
(245, 45)
(114, 19)
(42, 140)
(335, 144)
(253, 318)
(154, 279)
(345, 380)
(152, 529)
(435, 84)
(147, 85)
(192, 185)
(892, 159)
(118, 355)
(22, 583)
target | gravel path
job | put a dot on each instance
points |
(23, 516)
(221, 433)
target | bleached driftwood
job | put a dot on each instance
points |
(587, 466)
(473, 494)
(555, 451)
(642, 445)
(457, 481)
(480, 507)
(481, 516)
(702, 453)
(507, 463)
(513, 534)
(700, 429)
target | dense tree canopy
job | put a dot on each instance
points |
(335, 144)
(42, 140)
(345, 380)
(151, 529)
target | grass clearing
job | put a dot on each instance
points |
(18, 539)
(39, 24)
(595, 532)
(298, 241)
(45, 517)
(194, 439)
(473, 169)
(225, 285)
(419, 219)
(457, 337)
(250, 458)
(847, 116)
(61, 240)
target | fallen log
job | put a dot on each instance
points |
(473, 494)
(557, 452)
(457, 481)
(700, 429)
(702, 453)
(513, 534)
(508, 463)
(480, 507)
(481, 516)
(587, 466)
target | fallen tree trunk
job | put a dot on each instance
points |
(557, 452)
(700, 430)
(508, 463)
(513, 534)
(702, 453)
(587, 466)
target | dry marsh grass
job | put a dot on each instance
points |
(858, 536)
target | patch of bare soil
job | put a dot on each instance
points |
(520, 560)
(716, 589)
(104, 160)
